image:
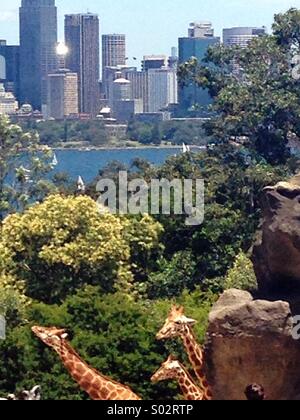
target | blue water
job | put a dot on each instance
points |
(88, 163)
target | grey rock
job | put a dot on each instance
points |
(250, 341)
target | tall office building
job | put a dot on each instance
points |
(82, 41)
(173, 59)
(62, 94)
(200, 38)
(10, 67)
(154, 62)
(38, 38)
(201, 30)
(241, 36)
(113, 50)
(139, 85)
(162, 89)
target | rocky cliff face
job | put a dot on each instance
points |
(276, 255)
(251, 340)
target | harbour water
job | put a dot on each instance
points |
(87, 163)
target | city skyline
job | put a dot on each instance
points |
(155, 15)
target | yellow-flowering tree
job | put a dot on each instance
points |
(63, 243)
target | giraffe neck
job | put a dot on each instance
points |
(97, 386)
(190, 391)
(196, 358)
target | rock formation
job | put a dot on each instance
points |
(276, 255)
(251, 340)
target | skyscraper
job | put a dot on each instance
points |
(154, 62)
(113, 50)
(241, 36)
(162, 89)
(200, 38)
(38, 38)
(82, 40)
(10, 67)
(62, 94)
(139, 86)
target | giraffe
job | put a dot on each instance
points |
(173, 369)
(178, 325)
(98, 386)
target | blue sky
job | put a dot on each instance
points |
(154, 26)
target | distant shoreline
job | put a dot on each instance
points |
(103, 148)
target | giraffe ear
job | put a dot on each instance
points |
(64, 336)
(189, 321)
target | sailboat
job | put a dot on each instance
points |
(80, 185)
(54, 161)
(186, 148)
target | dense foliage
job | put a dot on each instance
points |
(23, 165)
(110, 279)
(113, 333)
(256, 96)
(174, 132)
(64, 243)
(55, 132)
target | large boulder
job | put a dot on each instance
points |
(250, 341)
(276, 255)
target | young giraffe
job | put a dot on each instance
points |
(172, 369)
(178, 325)
(98, 387)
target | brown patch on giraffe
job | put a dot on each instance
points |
(88, 377)
(84, 384)
(110, 387)
(113, 396)
(184, 389)
(77, 376)
(205, 384)
(194, 358)
(69, 365)
(81, 370)
(96, 382)
(94, 394)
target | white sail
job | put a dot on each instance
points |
(80, 184)
(54, 161)
(188, 149)
(184, 148)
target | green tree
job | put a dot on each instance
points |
(242, 275)
(64, 243)
(23, 165)
(113, 333)
(256, 97)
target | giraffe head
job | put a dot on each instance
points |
(52, 337)
(168, 370)
(175, 324)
